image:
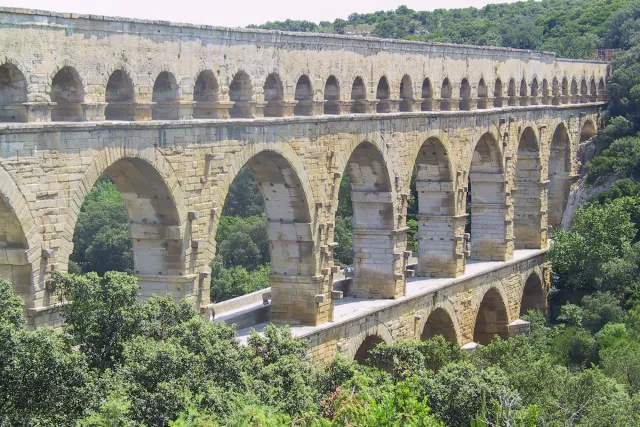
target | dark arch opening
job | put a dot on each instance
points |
(439, 323)
(588, 131)
(304, 97)
(527, 218)
(358, 97)
(68, 94)
(332, 96)
(565, 90)
(13, 93)
(559, 175)
(584, 91)
(427, 96)
(593, 91)
(465, 95)
(555, 87)
(166, 95)
(406, 94)
(382, 95)
(205, 95)
(511, 93)
(445, 95)
(491, 319)
(364, 351)
(14, 243)
(241, 94)
(483, 93)
(545, 92)
(601, 89)
(533, 296)
(574, 91)
(533, 100)
(273, 96)
(119, 97)
(497, 94)
(524, 97)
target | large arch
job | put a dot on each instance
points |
(377, 273)
(559, 175)
(68, 93)
(439, 229)
(528, 222)
(166, 94)
(119, 96)
(487, 202)
(13, 93)
(440, 322)
(332, 96)
(533, 295)
(492, 318)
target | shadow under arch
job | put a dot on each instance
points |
(559, 175)
(533, 295)
(440, 322)
(529, 229)
(492, 317)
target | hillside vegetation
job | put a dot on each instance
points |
(572, 28)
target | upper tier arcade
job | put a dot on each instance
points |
(68, 67)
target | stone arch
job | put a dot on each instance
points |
(492, 317)
(584, 91)
(406, 94)
(511, 93)
(374, 223)
(13, 93)
(524, 95)
(273, 96)
(533, 295)
(593, 91)
(206, 95)
(601, 88)
(528, 221)
(546, 95)
(465, 95)
(427, 95)
(367, 340)
(241, 94)
(20, 242)
(483, 94)
(166, 96)
(120, 96)
(535, 92)
(446, 92)
(497, 93)
(359, 102)
(304, 97)
(565, 90)
(487, 202)
(574, 90)
(555, 89)
(559, 174)
(67, 91)
(438, 225)
(332, 96)
(382, 95)
(440, 322)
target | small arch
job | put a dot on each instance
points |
(601, 88)
(445, 95)
(364, 350)
(427, 95)
(491, 319)
(524, 96)
(13, 93)
(593, 91)
(574, 91)
(166, 94)
(382, 95)
(565, 90)
(534, 100)
(584, 91)
(303, 97)
(119, 96)
(358, 97)
(559, 175)
(545, 91)
(439, 323)
(465, 95)
(555, 88)
(511, 93)
(406, 94)
(273, 96)
(241, 94)
(497, 94)
(205, 96)
(483, 93)
(68, 94)
(587, 131)
(533, 295)
(332, 96)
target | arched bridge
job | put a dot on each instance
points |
(173, 112)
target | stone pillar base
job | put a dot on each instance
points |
(305, 300)
(180, 287)
(523, 101)
(512, 101)
(519, 327)
(178, 110)
(16, 113)
(307, 108)
(388, 106)
(279, 108)
(441, 245)
(212, 110)
(363, 106)
(38, 112)
(93, 111)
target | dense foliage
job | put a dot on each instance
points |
(572, 28)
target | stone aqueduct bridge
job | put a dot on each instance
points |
(173, 112)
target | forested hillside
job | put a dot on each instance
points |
(572, 28)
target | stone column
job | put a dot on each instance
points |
(38, 112)
(93, 111)
(530, 214)
(441, 245)
(491, 226)
(519, 327)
